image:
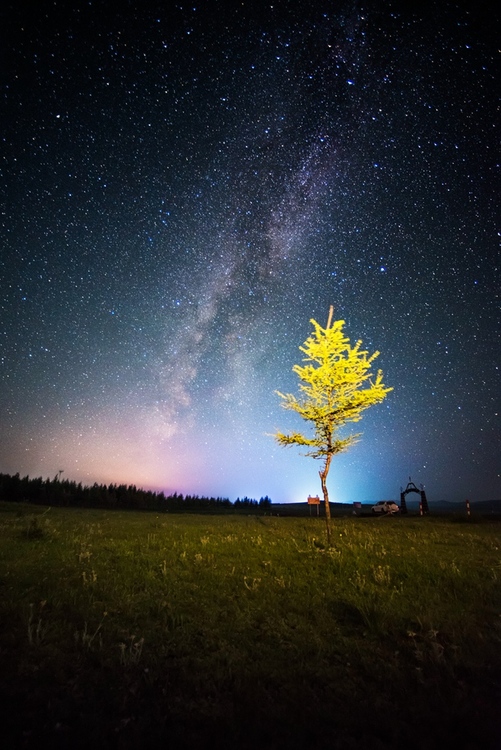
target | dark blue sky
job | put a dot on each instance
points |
(185, 186)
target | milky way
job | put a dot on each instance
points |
(184, 188)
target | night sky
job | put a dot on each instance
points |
(184, 186)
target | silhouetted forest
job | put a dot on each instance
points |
(66, 493)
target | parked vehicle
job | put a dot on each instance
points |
(386, 507)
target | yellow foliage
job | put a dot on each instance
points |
(336, 386)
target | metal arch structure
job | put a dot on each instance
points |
(411, 487)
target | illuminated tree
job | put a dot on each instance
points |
(336, 386)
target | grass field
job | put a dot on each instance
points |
(138, 630)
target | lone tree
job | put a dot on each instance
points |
(336, 386)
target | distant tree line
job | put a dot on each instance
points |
(67, 493)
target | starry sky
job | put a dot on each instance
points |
(185, 185)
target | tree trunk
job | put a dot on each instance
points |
(323, 479)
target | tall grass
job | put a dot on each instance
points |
(133, 630)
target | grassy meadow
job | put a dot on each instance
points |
(141, 630)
